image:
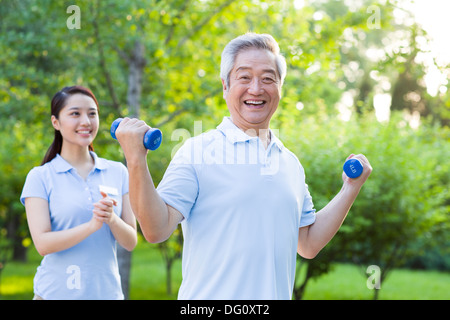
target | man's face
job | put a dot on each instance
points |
(255, 89)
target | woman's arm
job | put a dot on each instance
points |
(47, 241)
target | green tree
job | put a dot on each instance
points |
(406, 197)
(159, 60)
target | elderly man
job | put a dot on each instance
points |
(239, 193)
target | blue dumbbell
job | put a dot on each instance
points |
(353, 168)
(152, 138)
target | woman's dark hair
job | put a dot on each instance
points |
(58, 103)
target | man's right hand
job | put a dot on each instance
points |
(130, 135)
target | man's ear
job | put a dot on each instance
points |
(55, 123)
(225, 90)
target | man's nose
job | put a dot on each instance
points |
(255, 87)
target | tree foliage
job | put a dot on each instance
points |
(159, 60)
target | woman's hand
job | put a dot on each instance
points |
(104, 211)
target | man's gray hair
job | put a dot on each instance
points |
(248, 41)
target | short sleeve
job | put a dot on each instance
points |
(179, 186)
(308, 212)
(34, 186)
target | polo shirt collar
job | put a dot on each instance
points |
(62, 165)
(234, 134)
(274, 139)
(99, 163)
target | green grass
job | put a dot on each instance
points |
(16, 282)
(348, 282)
(148, 281)
(148, 274)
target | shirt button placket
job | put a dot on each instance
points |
(89, 193)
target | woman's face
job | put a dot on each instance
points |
(78, 121)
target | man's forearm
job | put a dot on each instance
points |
(150, 210)
(328, 221)
(156, 220)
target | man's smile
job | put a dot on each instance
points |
(255, 104)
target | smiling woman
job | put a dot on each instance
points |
(77, 207)
(59, 101)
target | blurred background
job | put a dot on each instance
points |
(363, 77)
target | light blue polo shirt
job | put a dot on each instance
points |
(242, 206)
(88, 270)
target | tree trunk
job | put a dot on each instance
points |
(136, 63)
(300, 290)
(136, 67)
(169, 277)
(19, 252)
(124, 261)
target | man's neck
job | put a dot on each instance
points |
(262, 132)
